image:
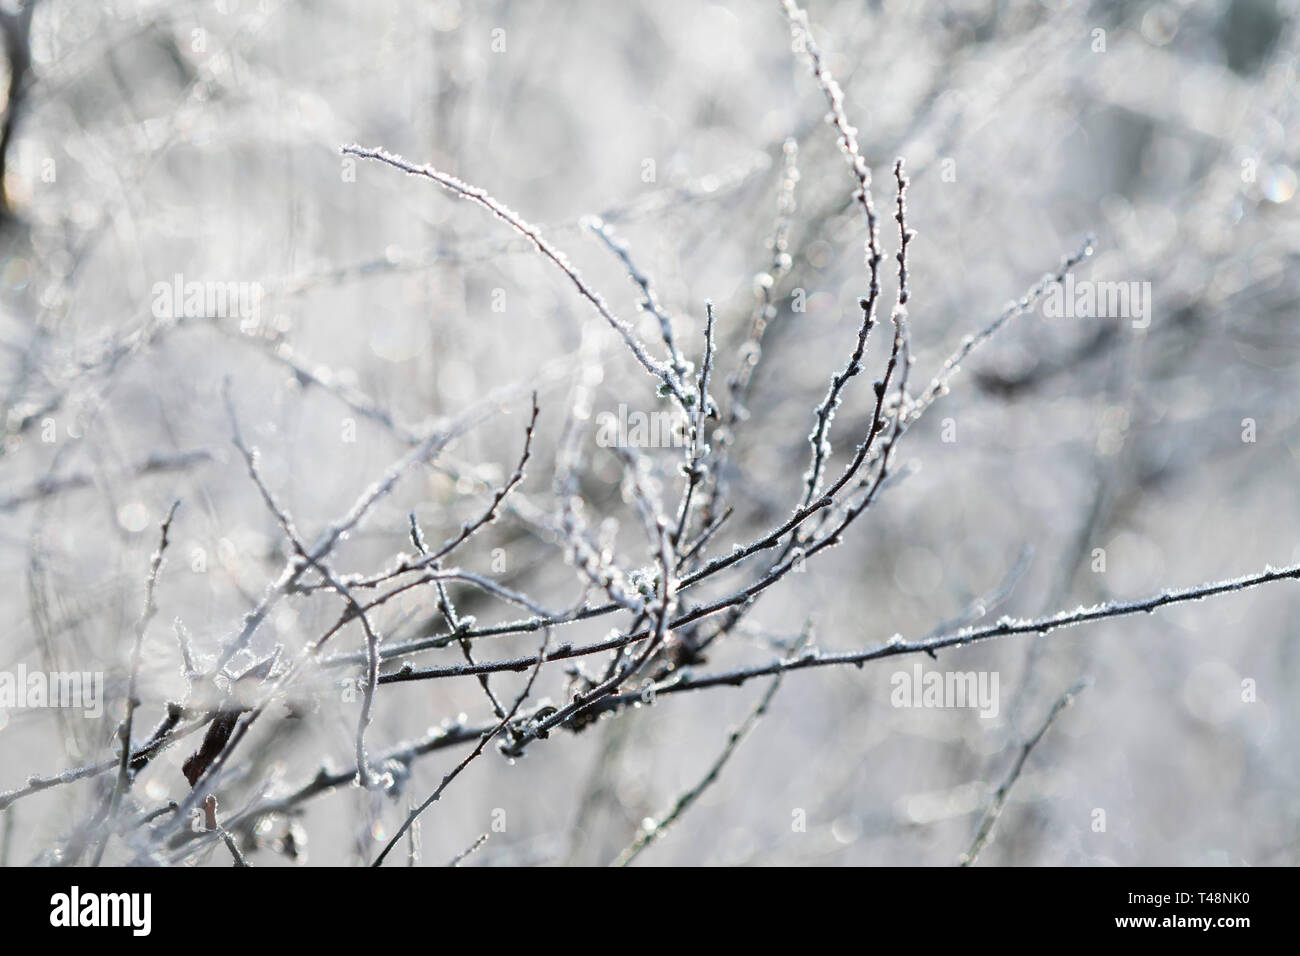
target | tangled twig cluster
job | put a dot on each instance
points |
(670, 611)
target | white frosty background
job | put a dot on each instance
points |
(202, 139)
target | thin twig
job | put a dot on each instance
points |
(656, 828)
(696, 449)
(469, 758)
(51, 485)
(460, 857)
(142, 625)
(649, 300)
(366, 779)
(473, 193)
(999, 801)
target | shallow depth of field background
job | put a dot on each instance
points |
(202, 139)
